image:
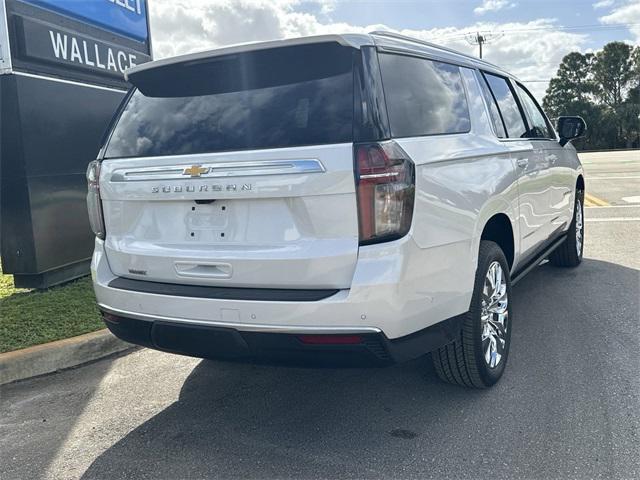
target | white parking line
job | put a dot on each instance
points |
(621, 177)
(613, 219)
(613, 206)
(634, 199)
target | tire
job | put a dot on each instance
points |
(466, 361)
(569, 254)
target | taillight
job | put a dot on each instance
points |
(94, 204)
(385, 180)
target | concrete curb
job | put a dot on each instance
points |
(53, 356)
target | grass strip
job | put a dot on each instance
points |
(31, 317)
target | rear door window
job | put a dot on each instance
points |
(496, 119)
(513, 121)
(281, 97)
(423, 97)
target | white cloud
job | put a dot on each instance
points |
(181, 26)
(603, 4)
(627, 13)
(327, 6)
(492, 6)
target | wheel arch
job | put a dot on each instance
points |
(580, 183)
(498, 229)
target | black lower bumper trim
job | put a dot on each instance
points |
(374, 349)
(223, 293)
(426, 340)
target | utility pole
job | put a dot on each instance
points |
(480, 39)
(476, 39)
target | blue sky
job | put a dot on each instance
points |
(427, 14)
(529, 37)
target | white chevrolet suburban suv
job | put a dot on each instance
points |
(338, 199)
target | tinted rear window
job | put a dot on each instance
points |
(284, 97)
(423, 97)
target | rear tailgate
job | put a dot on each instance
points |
(236, 171)
(283, 218)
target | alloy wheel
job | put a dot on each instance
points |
(494, 315)
(579, 227)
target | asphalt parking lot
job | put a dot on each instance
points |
(613, 178)
(568, 405)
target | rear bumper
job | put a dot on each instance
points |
(393, 302)
(363, 349)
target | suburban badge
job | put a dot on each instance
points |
(213, 187)
(195, 171)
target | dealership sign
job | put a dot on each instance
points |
(124, 17)
(45, 43)
(62, 66)
(83, 40)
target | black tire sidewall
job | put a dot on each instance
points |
(489, 253)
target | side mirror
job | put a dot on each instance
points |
(570, 128)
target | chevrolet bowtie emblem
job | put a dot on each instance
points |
(195, 170)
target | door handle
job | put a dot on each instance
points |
(203, 270)
(522, 162)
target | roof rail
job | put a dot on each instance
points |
(384, 33)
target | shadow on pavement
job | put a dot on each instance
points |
(27, 417)
(558, 411)
(264, 422)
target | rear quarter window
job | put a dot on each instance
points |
(423, 97)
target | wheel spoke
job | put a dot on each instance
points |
(499, 301)
(498, 328)
(491, 275)
(498, 282)
(486, 299)
(498, 307)
(494, 356)
(486, 347)
(486, 330)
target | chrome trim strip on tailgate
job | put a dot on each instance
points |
(245, 327)
(219, 169)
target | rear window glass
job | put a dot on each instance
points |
(283, 97)
(423, 97)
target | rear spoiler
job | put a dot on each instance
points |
(133, 75)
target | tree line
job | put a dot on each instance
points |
(604, 89)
